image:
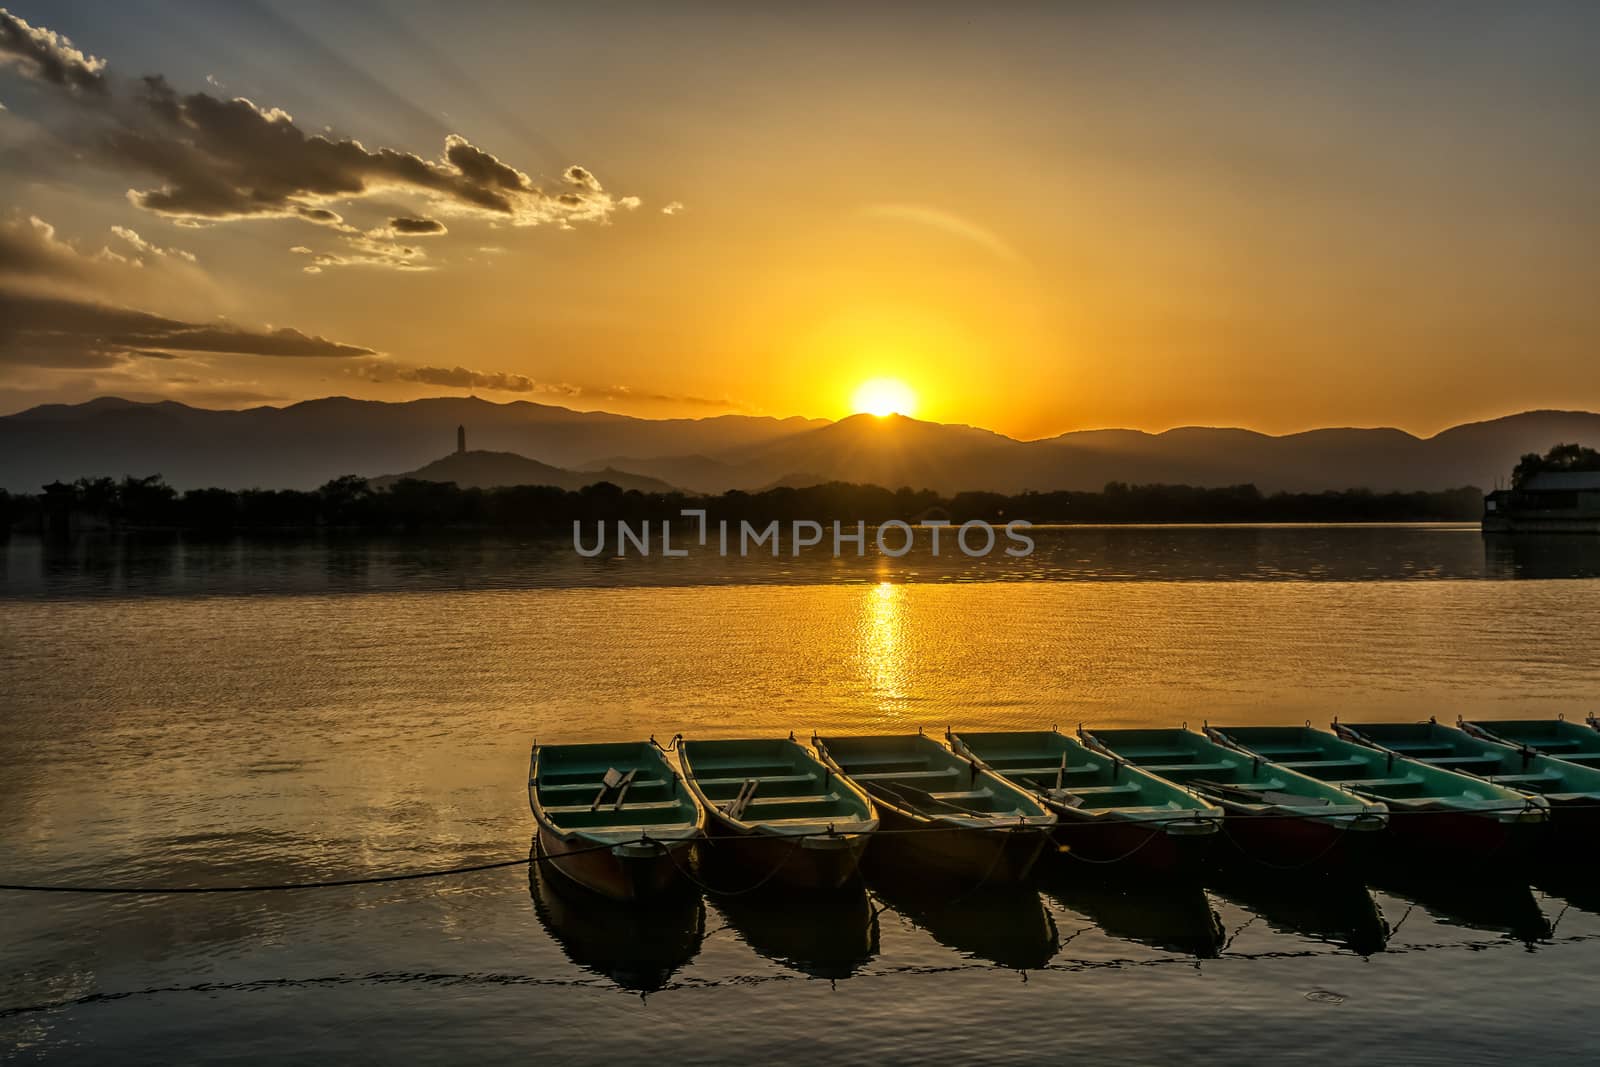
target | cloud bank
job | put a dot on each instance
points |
(205, 159)
(55, 311)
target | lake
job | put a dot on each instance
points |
(183, 712)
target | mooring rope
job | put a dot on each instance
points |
(998, 826)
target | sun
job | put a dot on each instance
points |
(884, 396)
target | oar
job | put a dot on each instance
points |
(1061, 771)
(735, 808)
(1258, 796)
(1059, 795)
(622, 792)
(608, 782)
(914, 797)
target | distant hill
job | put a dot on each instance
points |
(304, 445)
(488, 470)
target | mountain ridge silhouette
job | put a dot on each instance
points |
(305, 444)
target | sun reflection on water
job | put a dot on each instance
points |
(881, 646)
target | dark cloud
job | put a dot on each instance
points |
(464, 378)
(46, 56)
(416, 226)
(199, 159)
(61, 332)
(453, 377)
(221, 159)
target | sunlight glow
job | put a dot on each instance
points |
(885, 396)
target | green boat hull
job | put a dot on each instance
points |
(1433, 812)
(1274, 818)
(1569, 741)
(1572, 790)
(1111, 814)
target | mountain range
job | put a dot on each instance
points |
(306, 444)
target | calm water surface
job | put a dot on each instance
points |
(196, 713)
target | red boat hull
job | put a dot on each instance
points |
(1462, 836)
(1142, 847)
(990, 857)
(1287, 843)
(793, 863)
(613, 872)
(1573, 833)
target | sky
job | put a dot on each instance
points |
(1032, 218)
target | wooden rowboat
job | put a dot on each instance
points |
(1275, 816)
(1431, 810)
(1109, 811)
(614, 818)
(1564, 740)
(777, 812)
(1571, 789)
(940, 811)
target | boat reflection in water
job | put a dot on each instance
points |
(1173, 917)
(1338, 911)
(824, 935)
(1499, 904)
(1575, 883)
(1004, 923)
(639, 946)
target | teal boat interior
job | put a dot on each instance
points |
(1050, 763)
(1452, 749)
(776, 784)
(568, 785)
(1224, 773)
(1371, 772)
(1570, 741)
(918, 774)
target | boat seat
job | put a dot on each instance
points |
(1165, 755)
(610, 806)
(778, 802)
(1418, 750)
(1125, 789)
(908, 776)
(962, 794)
(1048, 770)
(1460, 761)
(1314, 765)
(1380, 783)
(591, 787)
(770, 779)
(1166, 768)
(844, 824)
(1279, 754)
(1527, 779)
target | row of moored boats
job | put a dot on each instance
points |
(626, 819)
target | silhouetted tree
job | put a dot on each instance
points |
(1565, 457)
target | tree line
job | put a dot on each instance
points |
(410, 504)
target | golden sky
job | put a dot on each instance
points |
(1037, 220)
